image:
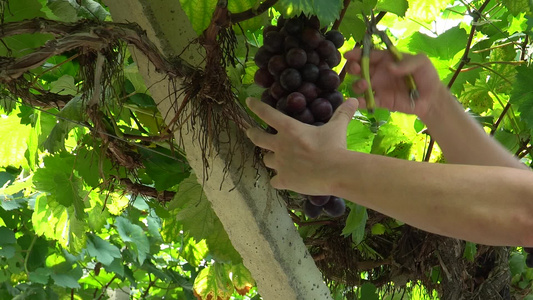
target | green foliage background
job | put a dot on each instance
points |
(69, 228)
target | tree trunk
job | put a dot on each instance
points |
(256, 220)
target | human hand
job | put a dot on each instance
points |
(301, 154)
(388, 81)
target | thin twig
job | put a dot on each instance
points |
(338, 22)
(251, 13)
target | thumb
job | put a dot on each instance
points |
(344, 113)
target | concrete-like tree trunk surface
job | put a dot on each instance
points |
(256, 220)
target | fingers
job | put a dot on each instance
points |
(409, 64)
(267, 113)
(345, 112)
(261, 139)
(360, 86)
(375, 55)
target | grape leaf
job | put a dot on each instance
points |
(41, 275)
(327, 11)
(369, 292)
(7, 236)
(213, 282)
(135, 236)
(68, 279)
(443, 47)
(104, 251)
(352, 24)
(165, 171)
(517, 7)
(253, 24)
(398, 7)
(426, 11)
(470, 251)
(13, 146)
(359, 137)
(73, 110)
(522, 94)
(199, 13)
(242, 279)
(220, 246)
(356, 222)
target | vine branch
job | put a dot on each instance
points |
(338, 22)
(252, 12)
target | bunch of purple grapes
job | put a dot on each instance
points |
(295, 67)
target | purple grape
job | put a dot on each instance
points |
(293, 26)
(309, 73)
(321, 109)
(276, 65)
(318, 200)
(262, 56)
(269, 28)
(290, 79)
(273, 41)
(268, 99)
(335, 207)
(305, 116)
(311, 37)
(312, 211)
(277, 91)
(263, 78)
(314, 23)
(296, 58)
(334, 59)
(328, 80)
(296, 103)
(335, 98)
(309, 91)
(336, 38)
(325, 49)
(281, 105)
(291, 42)
(313, 57)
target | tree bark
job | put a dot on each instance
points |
(256, 220)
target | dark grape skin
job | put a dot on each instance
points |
(296, 103)
(325, 49)
(294, 26)
(328, 80)
(314, 23)
(268, 99)
(276, 65)
(528, 250)
(277, 91)
(311, 37)
(335, 98)
(313, 57)
(334, 59)
(281, 21)
(312, 211)
(310, 73)
(336, 38)
(262, 56)
(323, 65)
(296, 58)
(290, 79)
(273, 41)
(269, 28)
(281, 105)
(529, 260)
(291, 42)
(318, 200)
(309, 91)
(263, 78)
(321, 109)
(305, 116)
(335, 207)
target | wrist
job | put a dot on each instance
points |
(441, 108)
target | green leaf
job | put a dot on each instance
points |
(104, 251)
(220, 246)
(359, 137)
(470, 251)
(327, 11)
(444, 47)
(398, 7)
(378, 229)
(117, 267)
(517, 263)
(165, 171)
(64, 85)
(57, 179)
(522, 94)
(213, 282)
(68, 279)
(242, 279)
(74, 110)
(517, 7)
(7, 236)
(41, 275)
(356, 222)
(352, 24)
(426, 11)
(199, 13)
(369, 292)
(13, 146)
(253, 24)
(135, 236)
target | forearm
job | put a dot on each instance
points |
(487, 205)
(462, 139)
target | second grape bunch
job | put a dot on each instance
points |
(295, 68)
